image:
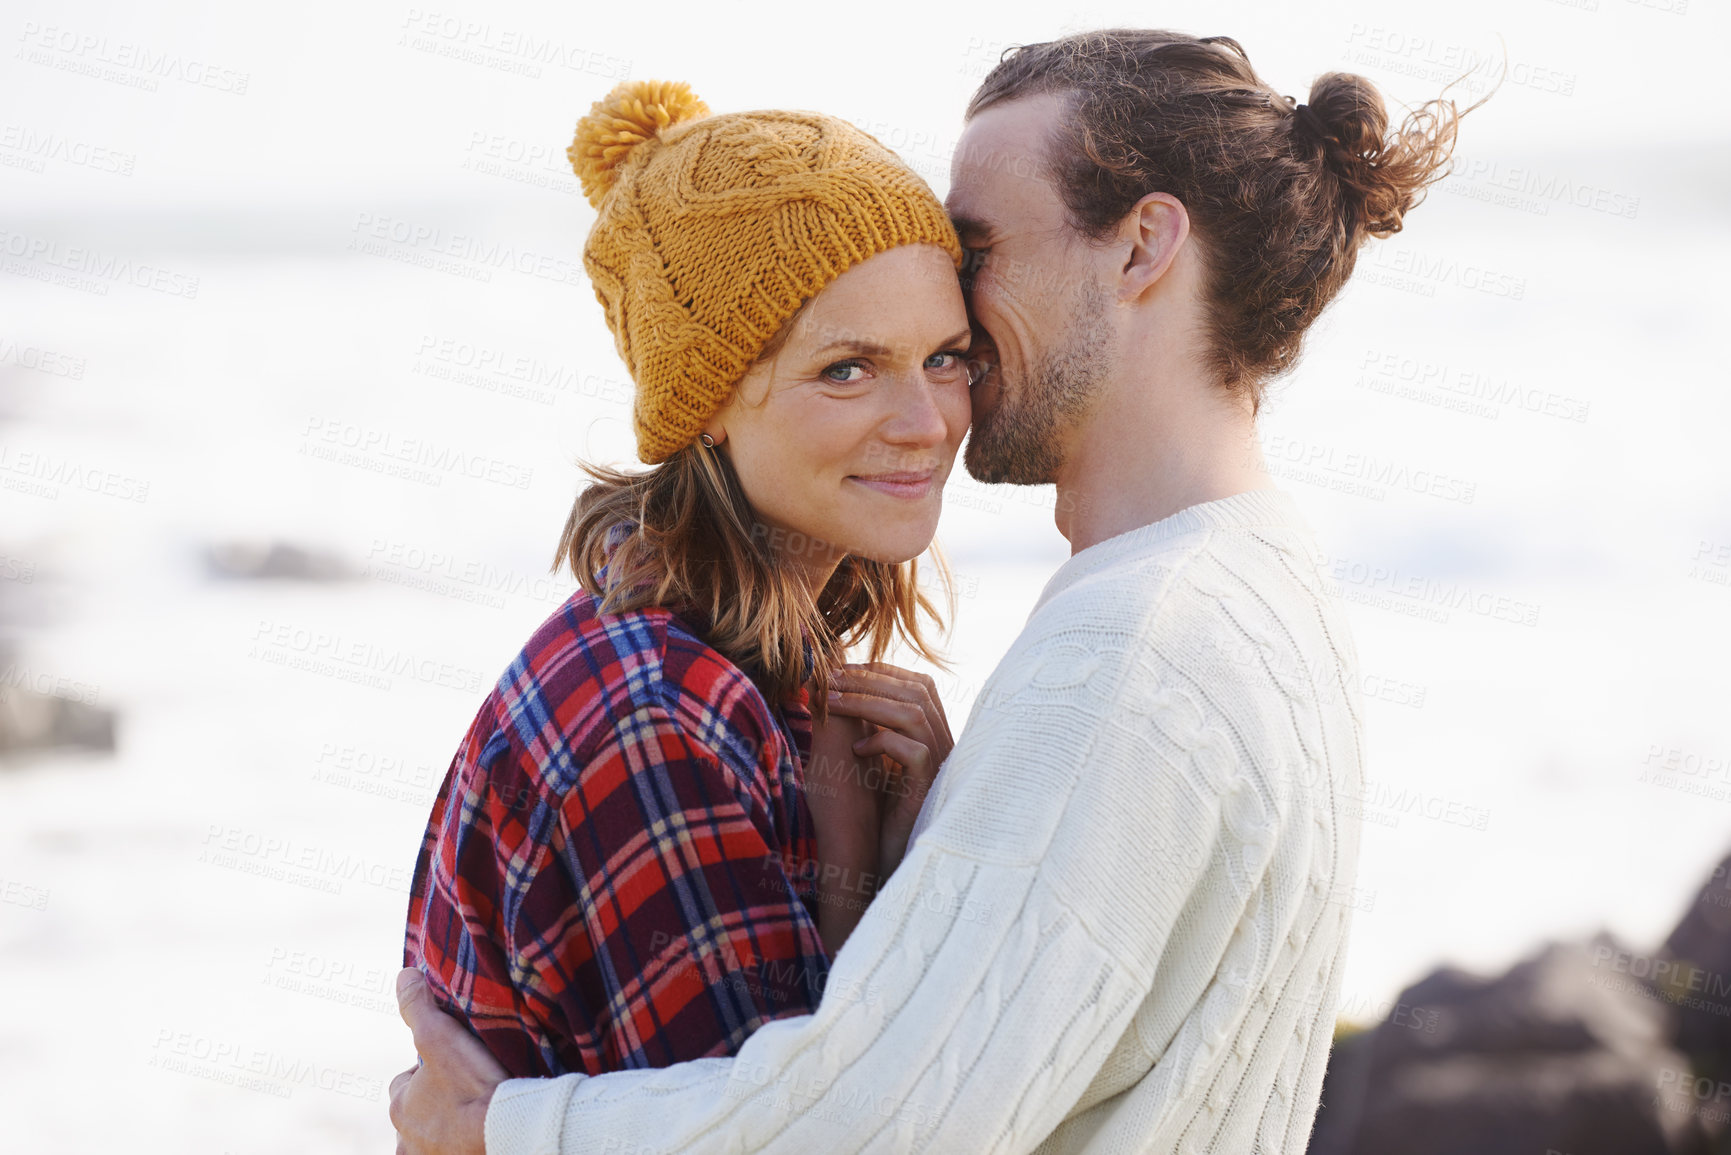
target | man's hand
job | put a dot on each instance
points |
(440, 1107)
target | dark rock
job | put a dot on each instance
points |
(251, 561)
(1693, 975)
(1560, 1054)
(33, 721)
(38, 712)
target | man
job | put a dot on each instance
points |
(1115, 929)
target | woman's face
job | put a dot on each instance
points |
(844, 438)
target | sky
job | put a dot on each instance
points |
(303, 109)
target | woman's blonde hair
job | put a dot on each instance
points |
(681, 533)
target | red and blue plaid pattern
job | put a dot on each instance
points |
(618, 871)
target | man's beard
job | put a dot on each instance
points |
(1021, 441)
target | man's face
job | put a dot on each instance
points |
(1034, 292)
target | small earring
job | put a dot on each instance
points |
(708, 441)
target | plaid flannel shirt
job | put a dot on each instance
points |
(619, 868)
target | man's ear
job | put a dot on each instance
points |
(1155, 230)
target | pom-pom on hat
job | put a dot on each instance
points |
(713, 230)
(632, 113)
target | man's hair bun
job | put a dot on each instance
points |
(626, 117)
(1383, 175)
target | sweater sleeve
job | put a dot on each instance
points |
(1001, 964)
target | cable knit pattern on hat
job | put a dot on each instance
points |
(1120, 926)
(713, 230)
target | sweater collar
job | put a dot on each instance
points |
(1252, 509)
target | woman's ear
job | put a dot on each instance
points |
(715, 431)
(1156, 229)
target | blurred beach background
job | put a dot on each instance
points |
(297, 359)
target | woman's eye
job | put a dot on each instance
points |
(841, 370)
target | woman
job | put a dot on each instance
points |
(642, 851)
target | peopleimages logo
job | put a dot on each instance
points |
(22, 894)
(1461, 387)
(354, 659)
(135, 65)
(285, 860)
(254, 1068)
(1416, 595)
(37, 148)
(41, 474)
(39, 255)
(417, 458)
(470, 579)
(1424, 270)
(1428, 57)
(1542, 186)
(514, 50)
(1368, 469)
(432, 247)
(55, 364)
(497, 369)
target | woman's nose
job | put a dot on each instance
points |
(917, 418)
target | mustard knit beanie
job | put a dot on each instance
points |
(713, 230)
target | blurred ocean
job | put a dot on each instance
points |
(1509, 433)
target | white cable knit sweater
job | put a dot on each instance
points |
(1121, 927)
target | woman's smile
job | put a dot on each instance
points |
(909, 486)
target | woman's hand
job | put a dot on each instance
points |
(841, 790)
(914, 735)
